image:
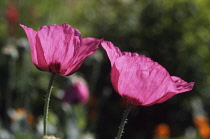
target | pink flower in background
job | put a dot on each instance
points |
(59, 48)
(77, 93)
(140, 80)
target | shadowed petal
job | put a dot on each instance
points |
(88, 47)
(37, 53)
(31, 34)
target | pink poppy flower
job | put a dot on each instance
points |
(59, 48)
(140, 80)
(77, 93)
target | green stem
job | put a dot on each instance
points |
(123, 122)
(47, 100)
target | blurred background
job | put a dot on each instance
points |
(174, 33)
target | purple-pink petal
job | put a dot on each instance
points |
(77, 93)
(59, 48)
(58, 42)
(36, 49)
(88, 47)
(140, 80)
(112, 51)
(31, 34)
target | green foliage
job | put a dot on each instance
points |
(24, 136)
(175, 33)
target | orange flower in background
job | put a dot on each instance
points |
(21, 114)
(30, 118)
(202, 124)
(204, 131)
(20, 110)
(162, 130)
(200, 120)
(18, 114)
(92, 106)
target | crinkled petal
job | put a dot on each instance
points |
(60, 42)
(88, 47)
(114, 52)
(142, 81)
(181, 86)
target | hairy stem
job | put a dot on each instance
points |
(47, 100)
(123, 122)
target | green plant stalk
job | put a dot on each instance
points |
(47, 100)
(123, 122)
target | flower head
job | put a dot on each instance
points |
(140, 80)
(162, 130)
(78, 92)
(59, 48)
